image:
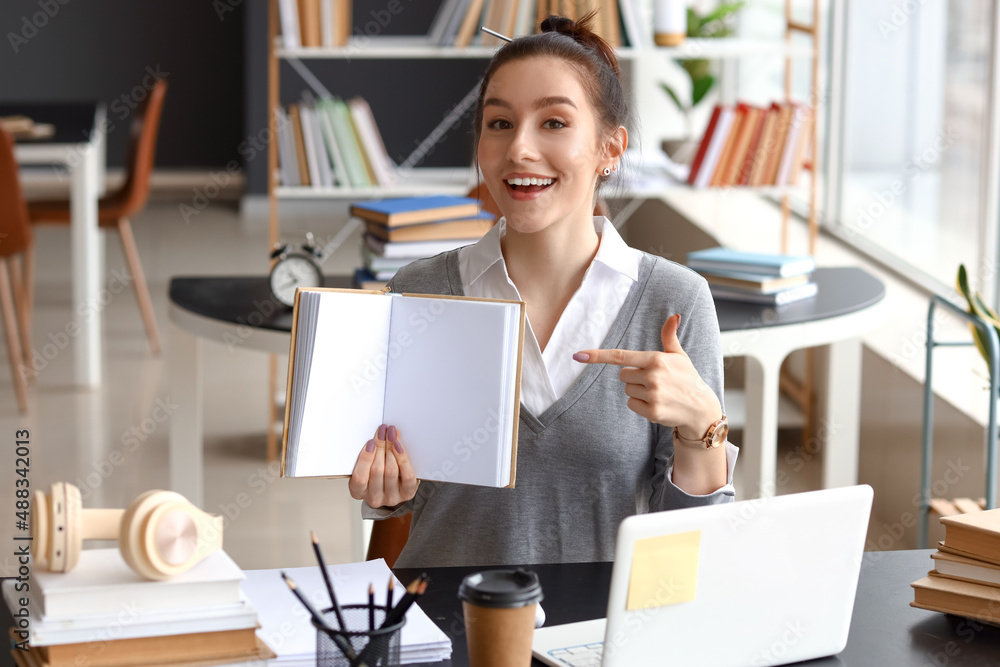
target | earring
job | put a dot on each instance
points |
(607, 171)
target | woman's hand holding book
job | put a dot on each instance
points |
(383, 476)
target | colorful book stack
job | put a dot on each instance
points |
(398, 231)
(745, 145)
(102, 614)
(966, 577)
(752, 277)
(314, 23)
(329, 142)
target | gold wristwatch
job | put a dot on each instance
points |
(715, 436)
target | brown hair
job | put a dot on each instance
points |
(575, 43)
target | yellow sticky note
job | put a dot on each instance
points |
(664, 570)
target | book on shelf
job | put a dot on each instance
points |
(976, 534)
(763, 264)
(436, 367)
(314, 23)
(756, 146)
(778, 298)
(328, 142)
(234, 644)
(471, 229)
(966, 569)
(753, 281)
(961, 598)
(398, 211)
(102, 583)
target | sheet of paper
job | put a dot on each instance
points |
(664, 570)
(445, 387)
(343, 401)
(285, 624)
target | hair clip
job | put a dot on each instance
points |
(495, 34)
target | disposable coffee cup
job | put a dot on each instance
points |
(499, 609)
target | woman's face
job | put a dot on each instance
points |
(538, 124)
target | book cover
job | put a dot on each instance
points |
(782, 129)
(469, 24)
(339, 167)
(300, 145)
(764, 264)
(311, 144)
(471, 229)
(288, 164)
(289, 11)
(439, 25)
(957, 597)
(703, 146)
(766, 146)
(726, 158)
(779, 298)
(751, 152)
(800, 114)
(412, 249)
(371, 139)
(347, 141)
(966, 569)
(413, 210)
(803, 148)
(747, 129)
(437, 367)
(752, 281)
(976, 533)
(102, 582)
(144, 650)
(309, 18)
(720, 137)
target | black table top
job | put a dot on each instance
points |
(842, 290)
(73, 121)
(885, 630)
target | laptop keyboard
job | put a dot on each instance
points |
(579, 656)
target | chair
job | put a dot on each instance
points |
(15, 238)
(115, 209)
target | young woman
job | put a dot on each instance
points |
(622, 350)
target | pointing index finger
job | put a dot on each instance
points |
(630, 358)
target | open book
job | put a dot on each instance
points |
(446, 371)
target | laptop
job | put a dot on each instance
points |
(769, 581)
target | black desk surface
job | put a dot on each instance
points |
(842, 290)
(73, 121)
(885, 630)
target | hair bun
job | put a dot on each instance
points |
(581, 32)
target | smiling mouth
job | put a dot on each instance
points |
(529, 185)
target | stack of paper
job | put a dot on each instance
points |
(103, 613)
(286, 626)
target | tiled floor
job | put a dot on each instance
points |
(75, 434)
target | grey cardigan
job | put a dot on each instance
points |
(584, 464)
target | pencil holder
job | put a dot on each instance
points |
(374, 648)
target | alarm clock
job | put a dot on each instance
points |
(294, 269)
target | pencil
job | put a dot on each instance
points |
(326, 579)
(388, 594)
(371, 607)
(341, 643)
(413, 591)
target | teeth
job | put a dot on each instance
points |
(529, 181)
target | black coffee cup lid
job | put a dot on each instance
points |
(502, 589)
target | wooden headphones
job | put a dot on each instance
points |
(160, 535)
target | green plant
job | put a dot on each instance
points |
(979, 308)
(717, 23)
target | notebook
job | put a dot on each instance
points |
(757, 582)
(444, 370)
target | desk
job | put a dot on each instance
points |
(79, 145)
(849, 303)
(885, 630)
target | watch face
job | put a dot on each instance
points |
(292, 272)
(720, 434)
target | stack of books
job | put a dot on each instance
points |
(328, 142)
(753, 146)
(752, 277)
(398, 231)
(315, 23)
(966, 577)
(102, 614)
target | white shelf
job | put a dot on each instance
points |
(428, 180)
(377, 48)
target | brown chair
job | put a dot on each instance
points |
(15, 238)
(389, 535)
(115, 209)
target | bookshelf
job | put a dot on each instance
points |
(642, 63)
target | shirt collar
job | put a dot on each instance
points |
(613, 252)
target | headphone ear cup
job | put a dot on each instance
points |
(131, 540)
(40, 527)
(65, 538)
